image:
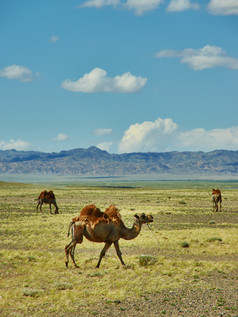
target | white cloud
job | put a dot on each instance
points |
(16, 145)
(148, 136)
(54, 39)
(16, 72)
(181, 5)
(223, 7)
(97, 81)
(99, 3)
(206, 57)
(209, 139)
(138, 6)
(61, 137)
(103, 131)
(105, 146)
(165, 135)
(219, 7)
(142, 6)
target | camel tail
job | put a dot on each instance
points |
(70, 226)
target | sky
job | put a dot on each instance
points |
(122, 75)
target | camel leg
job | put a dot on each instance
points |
(214, 203)
(50, 207)
(56, 207)
(72, 254)
(77, 237)
(41, 203)
(67, 253)
(103, 252)
(116, 245)
(69, 250)
(37, 206)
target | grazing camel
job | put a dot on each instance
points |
(107, 228)
(216, 198)
(47, 198)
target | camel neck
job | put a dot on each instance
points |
(131, 233)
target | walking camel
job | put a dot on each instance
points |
(47, 198)
(107, 227)
(216, 198)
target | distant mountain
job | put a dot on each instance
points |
(95, 162)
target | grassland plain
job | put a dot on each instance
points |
(185, 264)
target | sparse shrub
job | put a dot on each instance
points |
(214, 239)
(212, 222)
(31, 292)
(182, 202)
(31, 259)
(184, 244)
(146, 260)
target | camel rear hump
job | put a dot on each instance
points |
(113, 214)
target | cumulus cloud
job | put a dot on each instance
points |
(209, 139)
(16, 72)
(223, 7)
(142, 6)
(218, 7)
(102, 131)
(98, 81)
(165, 135)
(147, 136)
(54, 39)
(16, 145)
(181, 5)
(203, 58)
(138, 6)
(100, 3)
(105, 146)
(61, 137)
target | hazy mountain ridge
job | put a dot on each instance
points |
(95, 162)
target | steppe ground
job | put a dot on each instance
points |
(185, 264)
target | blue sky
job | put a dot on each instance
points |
(123, 75)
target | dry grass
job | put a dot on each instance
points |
(34, 280)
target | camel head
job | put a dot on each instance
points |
(143, 218)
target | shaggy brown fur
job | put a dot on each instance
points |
(113, 214)
(91, 214)
(47, 198)
(216, 198)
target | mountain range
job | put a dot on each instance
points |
(95, 162)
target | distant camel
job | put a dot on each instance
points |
(105, 227)
(47, 198)
(216, 198)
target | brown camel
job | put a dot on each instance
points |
(47, 198)
(107, 228)
(216, 198)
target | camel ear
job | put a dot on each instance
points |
(136, 216)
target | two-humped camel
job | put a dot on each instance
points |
(105, 227)
(216, 198)
(47, 198)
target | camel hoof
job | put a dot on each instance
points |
(67, 264)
